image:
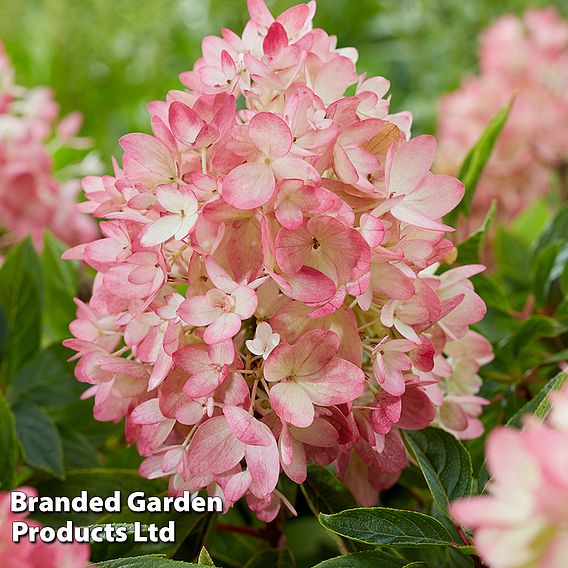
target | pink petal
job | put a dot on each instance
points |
(292, 403)
(198, 311)
(184, 122)
(245, 427)
(411, 162)
(214, 448)
(227, 325)
(248, 186)
(270, 134)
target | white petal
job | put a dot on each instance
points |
(161, 230)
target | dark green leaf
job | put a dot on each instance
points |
(475, 161)
(547, 266)
(8, 445)
(21, 302)
(388, 527)
(272, 558)
(39, 438)
(60, 286)
(47, 379)
(556, 230)
(364, 559)
(78, 451)
(444, 461)
(325, 493)
(144, 562)
(540, 404)
(471, 249)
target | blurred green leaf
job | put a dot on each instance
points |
(101, 482)
(548, 265)
(47, 379)
(21, 302)
(272, 558)
(388, 527)
(78, 451)
(475, 161)
(60, 287)
(471, 249)
(539, 405)
(40, 439)
(8, 445)
(556, 230)
(444, 461)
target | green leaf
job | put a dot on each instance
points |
(47, 379)
(548, 265)
(325, 493)
(8, 445)
(388, 527)
(444, 461)
(272, 558)
(556, 230)
(144, 562)
(471, 249)
(539, 405)
(21, 302)
(39, 438)
(475, 161)
(60, 287)
(364, 559)
(205, 558)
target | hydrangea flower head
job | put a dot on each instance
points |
(525, 508)
(525, 58)
(266, 294)
(34, 197)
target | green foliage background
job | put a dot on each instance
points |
(109, 58)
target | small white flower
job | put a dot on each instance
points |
(264, 340)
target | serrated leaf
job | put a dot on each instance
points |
(40, 439)
(444, 461)
(21, 301)
(60, 287)
(47, 379)
(539, 405)
(476, 159)
(364, 559)
(272, 558)
(8, 445)
(470, 250)
(145, 562)
(381, 526)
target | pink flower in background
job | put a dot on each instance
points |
(33, 196)
(266, 294)
(26, 554)
(524, 510)
(525, 58)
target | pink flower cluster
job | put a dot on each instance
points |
(523, 521)
(32, 198)
(527, 59)
(26, 554)
(266, 292)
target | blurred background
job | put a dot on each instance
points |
(109, 58)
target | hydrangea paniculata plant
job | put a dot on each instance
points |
(525, 508)
(32, 196)
(266, 292)
(526, 59)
